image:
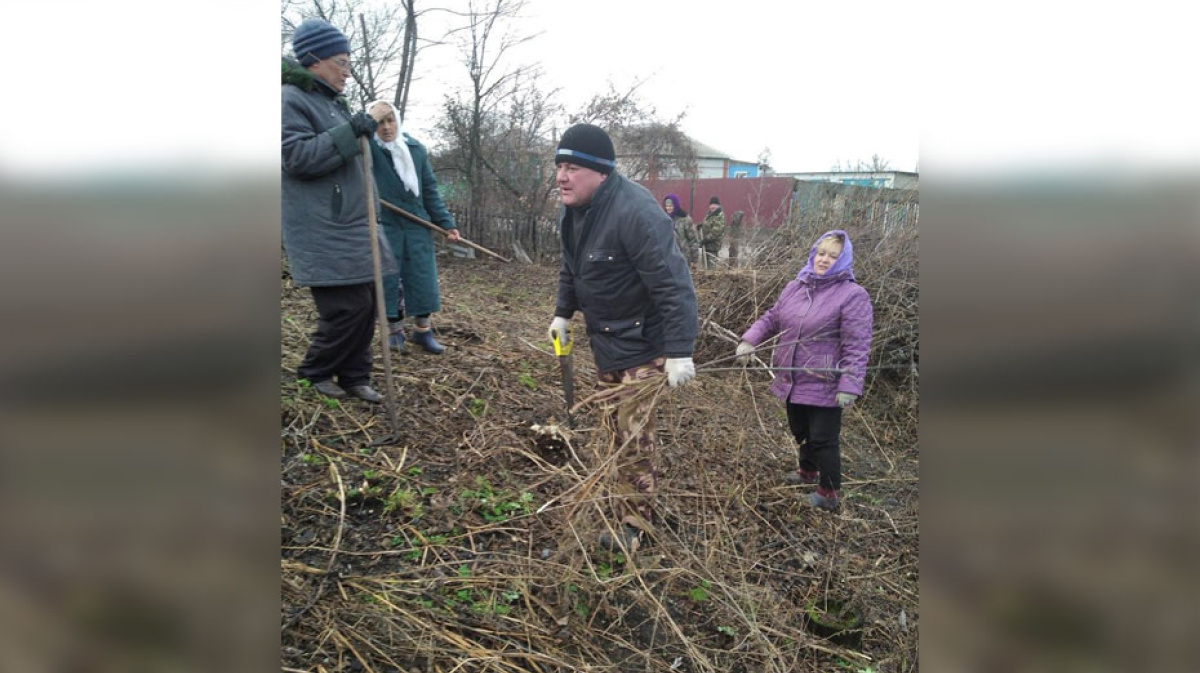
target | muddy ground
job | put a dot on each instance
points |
(466, 541)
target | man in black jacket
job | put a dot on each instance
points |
(622, 270)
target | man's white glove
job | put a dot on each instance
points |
(559, 324)
(743, 351)
(846, 399)
(679, 371)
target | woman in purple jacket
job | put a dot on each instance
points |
(825, 320)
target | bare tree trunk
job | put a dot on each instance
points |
(408, 56)
(369, 85)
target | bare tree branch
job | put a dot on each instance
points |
(383, 43)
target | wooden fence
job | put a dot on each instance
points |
(815, 207)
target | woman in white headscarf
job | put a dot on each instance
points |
(405, 179)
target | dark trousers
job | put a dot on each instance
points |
(341, 346)
(816, 430)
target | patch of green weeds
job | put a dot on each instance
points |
(727, 630)
(498, 603)
(699, 594)
(404, 500)
(527, 380)
(495, 506)
(578, 601)
(431, 540)
(476, 407)
(313, 459)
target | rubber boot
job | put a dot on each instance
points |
(396, 336)
(365, 393)
(329, 389)
(424, 339)
(824, 498)
(800, 477)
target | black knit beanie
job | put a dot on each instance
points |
(715, 200)
(316, 40)
(589, 146)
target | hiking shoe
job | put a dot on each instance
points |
(424, 339)
(823, 498)
(365, 392)
(800, 477)
(626, 536)
(329, 389)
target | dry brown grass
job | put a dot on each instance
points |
(430, 553)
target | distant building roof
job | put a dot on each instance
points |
(702, 151)
(707, 151)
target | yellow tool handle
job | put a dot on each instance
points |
(561, 347)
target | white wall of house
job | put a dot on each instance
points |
(885, 179)
(710, 168)
(706, 167)
(710, 163)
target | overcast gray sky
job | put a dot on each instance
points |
(816, 83)
(143, 85)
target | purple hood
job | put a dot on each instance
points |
(845, 261)
(679, 212)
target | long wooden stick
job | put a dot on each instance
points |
(376, 260)
(400, 211)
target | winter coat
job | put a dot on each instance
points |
(825, 323)
(325, 230)
(685, 235)
(621, 267)
(712, 229)
(412, 243)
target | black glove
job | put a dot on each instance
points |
(363, 124)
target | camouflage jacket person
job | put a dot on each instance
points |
(712, 229)
(685, 235)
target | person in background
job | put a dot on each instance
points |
(712, 231)
(324, 211)
(825, 318)
(685, 229)
(622, 269)
(405, 178)
(735, 237)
